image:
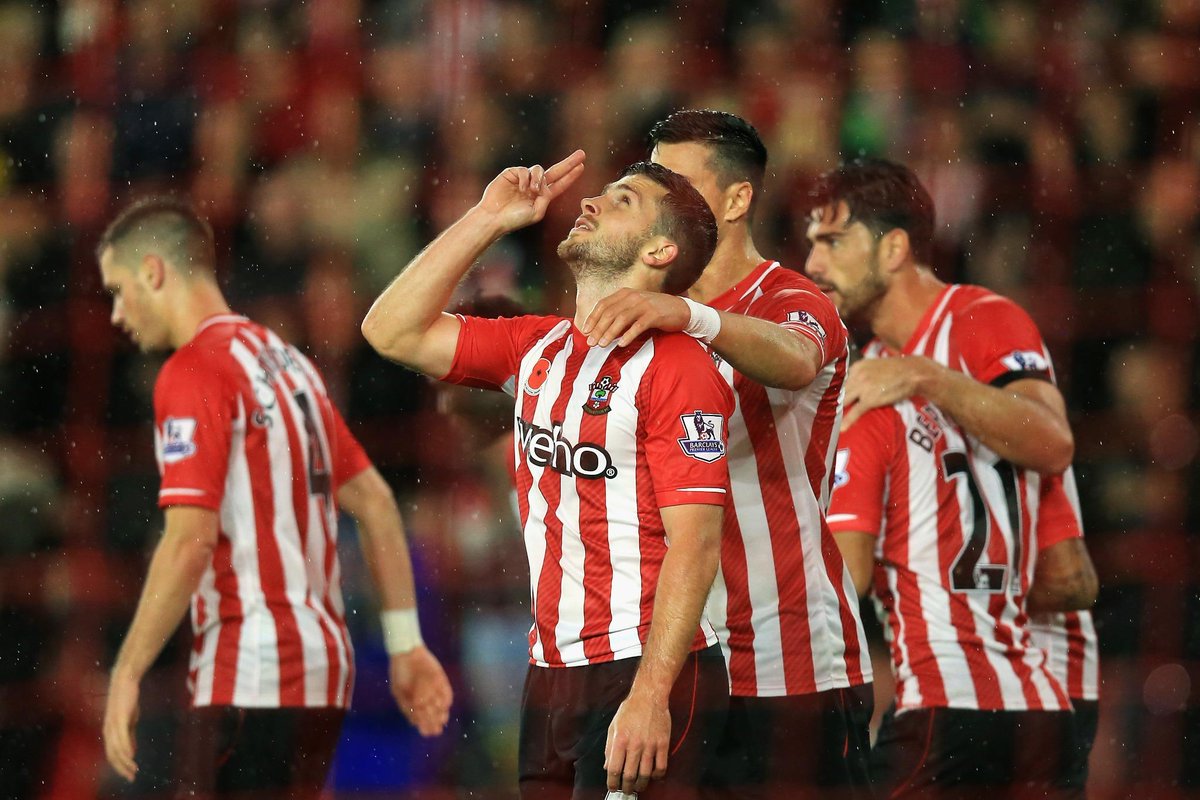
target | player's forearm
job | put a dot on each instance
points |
(412, 304)
(175, 571)
(1017, 428)
(767, 353)
(1064, 579)
(687, 574)
(385, 549)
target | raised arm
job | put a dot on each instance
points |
(640, 733)
(406, 323)
(759, 349)
(179, 562)
(419, 683)
(1024, 422)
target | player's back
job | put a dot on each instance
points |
(246, 428)
(957, 553)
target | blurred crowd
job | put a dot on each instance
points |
(327, 141)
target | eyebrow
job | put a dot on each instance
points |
(827, 236)
(618, 186)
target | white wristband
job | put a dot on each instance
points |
(401, 630)
(704, 322)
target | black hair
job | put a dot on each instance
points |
(738, 152)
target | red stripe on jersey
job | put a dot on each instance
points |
(1075, 655)
(738, 609)
(593, 529)
(784, 525)
(228, 640)
(550, 580)
(652, 548)
(270, 563)
(834, 567)
(527, 405)
(951, 540)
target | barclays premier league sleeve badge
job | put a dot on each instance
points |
(178, 439)
(703, 438)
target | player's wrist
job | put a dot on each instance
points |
(401, 630)
(704, 322)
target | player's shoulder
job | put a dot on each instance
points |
(206, 358)
(970, 300)
(671, 345)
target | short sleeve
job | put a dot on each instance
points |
(489, 351)
(864, 456)
(999, 343)
(194, 411)
(684, 411)
(807, 313)
(349, 458)
(1058, 511)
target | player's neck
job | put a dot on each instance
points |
(735, 258)
(200, 302)
(903, 306)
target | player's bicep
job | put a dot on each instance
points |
(693, 523)
(434, 353)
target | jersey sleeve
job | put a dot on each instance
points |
(860, 479)
(349, 458)
(807, 313)
(1058, 511)
(489, 351)
(194, 410)
(684, 413)
(999, 343)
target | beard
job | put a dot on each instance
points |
(598, 257)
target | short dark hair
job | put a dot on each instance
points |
(738, 152)
(683, 217)
(167, 225)
(883, 196)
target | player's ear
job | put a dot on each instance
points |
(659, 252)
(894, 249)
(738, 197)
(152, 271)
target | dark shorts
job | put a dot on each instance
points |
(565, 715)
(1081, 735)
(800, 746)
(263, 753)
(959, 753)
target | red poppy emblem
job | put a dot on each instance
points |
(537, 377)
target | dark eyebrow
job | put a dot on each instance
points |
(828, 236)
(622, 186)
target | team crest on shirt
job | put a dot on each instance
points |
(537, 377)
(598, 401)
(178, 439)
(703, 438)
(1026, 361)
(809, 321)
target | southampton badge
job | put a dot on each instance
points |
(703, 439)
(601, 396)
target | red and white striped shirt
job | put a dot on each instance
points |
(990, 338)
(604, 438)
(244, 427)
(783, 603)
(957, 549)
(1068, 639)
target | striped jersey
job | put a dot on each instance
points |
(783, 603)
(1067, 638)
(604, 438)
(245, 428)
(957, 552)
(990, 338)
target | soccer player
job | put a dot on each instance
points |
(783, 604)
(255, 462)
(969, 420)
(619, 451)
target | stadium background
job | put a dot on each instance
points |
(328, 140)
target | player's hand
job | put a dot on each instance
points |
(421, 689)
(639, 740)
(876, 382)
(120, 716)
(519, 196)
(627, 313)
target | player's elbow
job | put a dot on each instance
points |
(1060, 453)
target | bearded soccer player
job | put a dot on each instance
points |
(255, 463)
(969, 440)
(783, 605)
(620, 472)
